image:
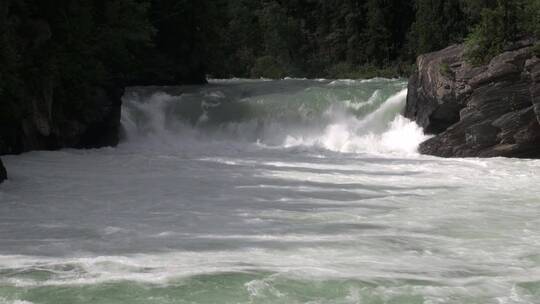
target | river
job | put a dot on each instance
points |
(291, 191)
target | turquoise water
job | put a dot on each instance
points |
(293, 191)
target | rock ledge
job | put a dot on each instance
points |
(486, 111)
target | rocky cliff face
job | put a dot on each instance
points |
(3, 173)
(486, 111)
(63, 68)
(48, 125)
(40, 109)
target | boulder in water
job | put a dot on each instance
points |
(485, 111)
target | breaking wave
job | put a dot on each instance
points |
(342, 116)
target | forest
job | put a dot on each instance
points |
(64, 49)
(360, 38)
(148, 40)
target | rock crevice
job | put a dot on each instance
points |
(3, 173)
(486, 111)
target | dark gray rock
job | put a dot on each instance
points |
(487, 111)
(49, 124)
(50, 114)
(3, 173)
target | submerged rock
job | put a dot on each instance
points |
(486, 111)
(3, 173)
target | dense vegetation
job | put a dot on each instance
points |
(501, 23)
(168, 41)
(360, 38)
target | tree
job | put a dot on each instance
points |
(378, 37)
(501, 24)
(438, 24)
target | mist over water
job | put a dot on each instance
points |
(292, 191)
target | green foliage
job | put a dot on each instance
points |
(344, 70)
(310, 38)
(500, 24)
(473, 10)
(536, 49)
(445, 70)
(268, 67)
(438, 24)
(378, 34)
(487, 39)
(532, 17)
(188, 39)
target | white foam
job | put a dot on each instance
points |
(336, 128)
(364, 260)
(373, 134)
(352, 82)
(357, 105)
(153, 112)
(6, 301)
(237, 80)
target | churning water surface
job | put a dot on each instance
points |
(292, 191)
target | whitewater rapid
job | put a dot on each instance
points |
(292, 191)
(341, 116)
